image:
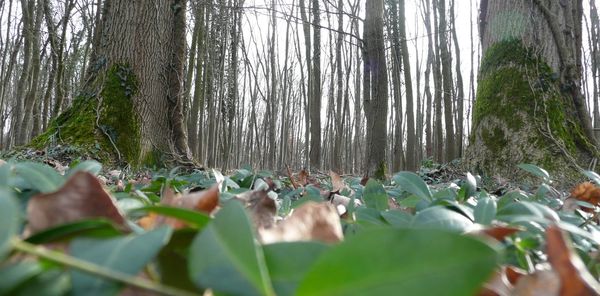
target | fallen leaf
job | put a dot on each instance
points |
(303, 177)
(587, 192)
(539, 283)
(337, 184)
(289, 172)
(364, 180)
(497, 285)
(262, 208)
(310, 221)
(574, 276)
(513, 274)
(81, 197)
(204, 201)
(498, 232)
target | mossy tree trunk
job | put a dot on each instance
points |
(529, 106)
(131, 106)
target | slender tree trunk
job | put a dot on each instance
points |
(315, 103)
(411, 142)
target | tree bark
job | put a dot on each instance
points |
(132, 105)
(375, 90)
(528, 97)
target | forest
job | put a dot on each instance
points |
(299, 147)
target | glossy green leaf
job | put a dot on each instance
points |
(289, 262)
(193, 218)
(485, 211)
(5, 174)
(387, 261)
(51, 282)
(127, 255)
(91, 166)
(412, 183)
(39, 176)
(535, 170)
(90, 228)
(410, 202)
(441, 218)
(226, 258)
(9, 220)
(374, 196)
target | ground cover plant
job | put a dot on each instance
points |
(81, 230)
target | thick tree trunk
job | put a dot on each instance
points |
(375, 90)
(528, 107)
(132, 106)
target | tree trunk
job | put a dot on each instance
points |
(375, 90)
(315, 101)
(528, 107)
(411, 142)
(132, 106)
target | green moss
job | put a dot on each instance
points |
(118, 119)
(381, 171)
(521, 113)
(100, 122)
(495, 139)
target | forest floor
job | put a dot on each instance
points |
(290, 233)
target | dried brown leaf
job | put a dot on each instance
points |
(204, 201)
(574, 277)
(539, 283)
(337, 184)
(81, 197)
(262, 208)
(310, 221)
(303, 177)
(513, 274)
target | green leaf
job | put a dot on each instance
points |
(90, 166)
(441, 218)
(5, 174)
(412, 183)
(173, 258)
(369, 217)
(375, 196)
(51, 282)
(9, 220)
(388, 261)
(535, 170)
(127, 254)
(93, 227)
(289, 262)
(410, 202)
(226, 258)
(13, 275)
(470, 185)
(593, 176)
(397, 218)
(39, 176)
(194, 218)
(485, 211)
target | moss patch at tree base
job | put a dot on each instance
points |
(521, 116)
(101, 123)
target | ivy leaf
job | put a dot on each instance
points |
(127, 254)
(412, 183)
(226, 258)
(593, 176)
(375, 196)
(39, 177)
(485, 211)
(421, 262)
(535, 170)
(441, 218)
(91, 166)
(9, 220)
(288, 263)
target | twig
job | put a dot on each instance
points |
(94, 269)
